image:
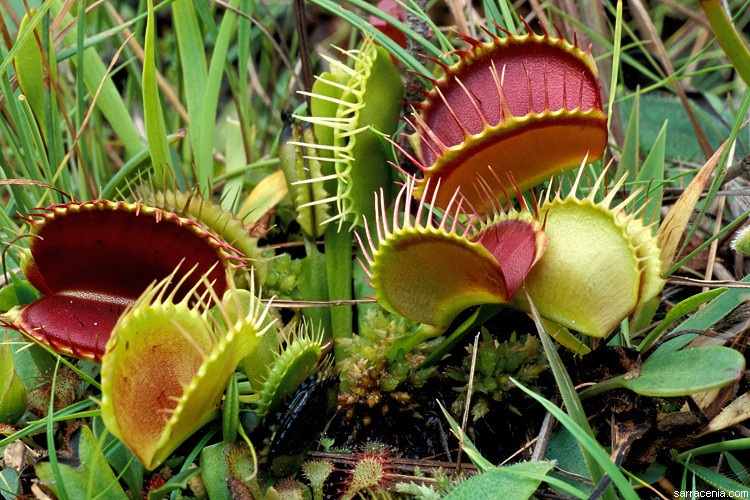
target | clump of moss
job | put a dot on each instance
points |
(281, 281)
(378, 332)
(496, 362)
(368, 379)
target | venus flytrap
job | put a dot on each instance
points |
(167, 364)
(601, 263)
(350, 107)
(347, 105)
(83, 259)
(487, 118)
(587, 267)
(451, 265)
(526, 106)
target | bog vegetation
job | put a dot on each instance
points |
(395, 249)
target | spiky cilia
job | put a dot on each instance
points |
(167, 364)
(346, 105)
(222, 223)
(93, 259)
(601, 263)
(296, 361)
(525, 106)
(429, 268)
(302, 166)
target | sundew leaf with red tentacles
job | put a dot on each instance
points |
(93, 259)
(167, 365)
(429, 268)
(526, 106)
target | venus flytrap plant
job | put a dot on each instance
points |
(82, 257)
(566, 265)
(601, 263)
(348, 104)
(300, 357)
(168, 363)
(487, 118)
(350, 107)
(453, 264)
(526, 106)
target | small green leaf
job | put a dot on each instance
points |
(15, 295)
(508, 483)
(705, 317)
(215, 470)
(680, 373)
(236, 161)
(12, 392)
(564, 449)
(688, 372)
(679, 310)
(86, 472)
(629, 159)
(9, 484)
(651, 175)
(231, 411)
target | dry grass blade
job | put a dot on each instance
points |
(29, 182)
(671, 229)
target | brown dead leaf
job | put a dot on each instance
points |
(735, 412)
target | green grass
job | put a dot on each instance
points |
(189, 95)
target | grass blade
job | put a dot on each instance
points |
(204, 155)
(588, 444)
(569, 395)
(156, 133)
(192, 63)
(730, 41)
